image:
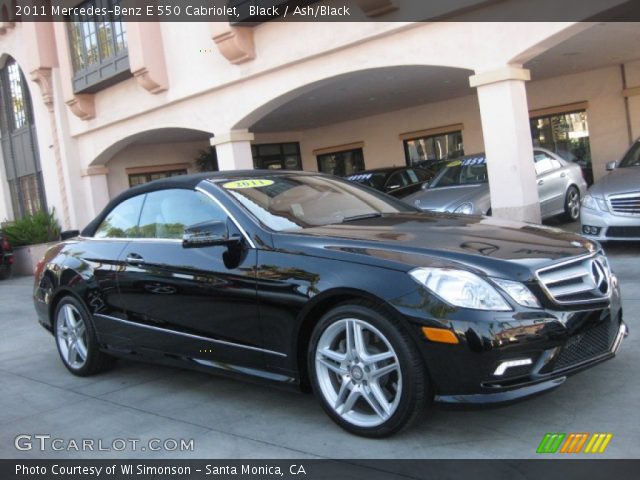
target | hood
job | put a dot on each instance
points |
(620, 180)
(444, 199)
(408, 240)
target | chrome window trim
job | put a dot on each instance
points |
(190, 335)
(178, 240)
(622, 196)
(577, 259)
(233, 219)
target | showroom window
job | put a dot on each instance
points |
(145, 177)
(277, 156)
(341, 163)
(433, 147)
(98, 46)
(566, 134)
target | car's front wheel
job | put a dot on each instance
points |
(76, 339)
(366, 371)
(572, 204)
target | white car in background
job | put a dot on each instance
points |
(611, 208)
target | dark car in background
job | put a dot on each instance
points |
(6, 257)
(311, 281)
(389, 179)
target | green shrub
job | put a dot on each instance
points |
(41, 227)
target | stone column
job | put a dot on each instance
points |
(234, 150)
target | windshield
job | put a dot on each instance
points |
(293, 202)
(466, 171)
(632, 158)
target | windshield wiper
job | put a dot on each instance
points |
(361, 217)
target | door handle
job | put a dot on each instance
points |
(563, 174)
(134, 259)
(541, 182)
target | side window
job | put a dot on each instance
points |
(421, 174)
(396, 180)
(122, 221)
(166, 213)
(544, 163)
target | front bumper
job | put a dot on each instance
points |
(530, 386)
(542, 346)
(610, 227)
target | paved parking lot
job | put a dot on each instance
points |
(233, 419)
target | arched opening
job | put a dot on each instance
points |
(19, 142)
(154, 154)
(363, 113)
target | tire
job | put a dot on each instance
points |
(5, 272)
(572, 204)
(76, 339)
(383, 365)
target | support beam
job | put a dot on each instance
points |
(507, 138)
(96, 188)
(234, 150)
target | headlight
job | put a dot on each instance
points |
(594, 203)
(466, 208)
(460, 288)
(518, 292)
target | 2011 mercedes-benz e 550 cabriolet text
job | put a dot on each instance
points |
(313, 281)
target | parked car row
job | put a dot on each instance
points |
(462, 185)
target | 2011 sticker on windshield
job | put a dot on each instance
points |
(247, 183)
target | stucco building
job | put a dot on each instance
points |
(90, 108)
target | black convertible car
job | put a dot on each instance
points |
(313, 281)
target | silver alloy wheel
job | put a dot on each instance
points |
(573, 203)
(358, 372)
(71, 334)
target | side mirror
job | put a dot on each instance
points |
(425, 185)
(611, 166)
(207, 234)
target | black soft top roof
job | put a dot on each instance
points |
(188, 182)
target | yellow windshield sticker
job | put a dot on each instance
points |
(455, 163)
(248, 183)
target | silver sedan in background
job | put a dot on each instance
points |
(611, 208)
(462, 187)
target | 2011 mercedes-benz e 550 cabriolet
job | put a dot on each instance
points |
(309, 280)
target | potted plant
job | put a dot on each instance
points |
(30, 237)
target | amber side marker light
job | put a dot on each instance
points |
(439, 335)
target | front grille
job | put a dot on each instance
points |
(625, 204)
(582, 280)
(623, 232)
(584, 346)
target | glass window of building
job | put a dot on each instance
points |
(566, 134)
(342, 163)
(277, 156)
(432, 148)
(19, 143)
(140, 178)
(98, 46)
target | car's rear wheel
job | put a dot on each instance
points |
(366, 371)
(572, 204)
(76, 339)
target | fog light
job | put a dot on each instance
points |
(590, 230)
(511, 363)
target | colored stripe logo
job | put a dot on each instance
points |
(574, 442)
